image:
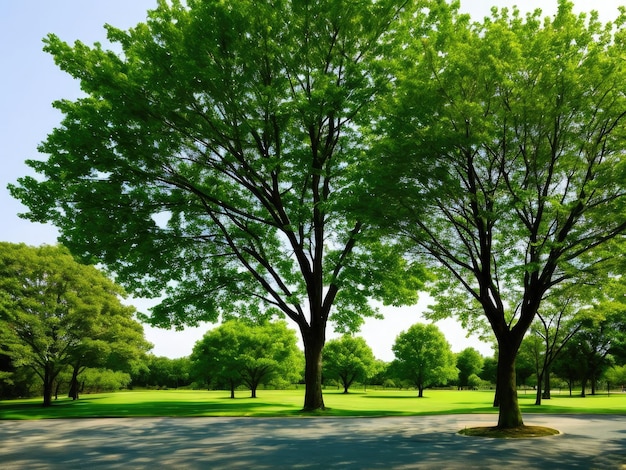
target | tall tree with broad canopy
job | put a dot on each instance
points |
(55, 312)
(424, 357)
(348, 359)
(211, 163)
(505, 159)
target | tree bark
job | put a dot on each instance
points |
(593, 384)
(546, 385)
(73, 393)
(539, 394)
(496, 397)
(314, 339)
(48, 380)
(510, 415)
(420, 394)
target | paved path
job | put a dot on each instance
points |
(420, 442)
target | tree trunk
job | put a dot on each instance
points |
(496, 397)
(583, 385)
(48, 380)
(232, 389)
(593, 384)
(73, 393)
(420, 394)
(253, 391)
(510, 415)
(539, 394)
(546, 385)
(314, 339)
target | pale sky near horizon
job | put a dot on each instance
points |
(30, 82)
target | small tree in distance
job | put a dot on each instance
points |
(424, 357)
(469, 362)
(348, 359)
(238, 352)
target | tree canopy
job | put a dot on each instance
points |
(504, 163)
(241, 352)
(468, 362)
(348, 359)
(423, 357)
(211, 162)
(56, 312)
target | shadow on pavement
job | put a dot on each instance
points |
(261, 443)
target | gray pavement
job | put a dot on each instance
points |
(418, 442)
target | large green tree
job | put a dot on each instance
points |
(423, 357)
(211, 162)
(242, 352)
(505, 159)
(347, 359)
(56, 312)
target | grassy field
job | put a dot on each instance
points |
(285, 403)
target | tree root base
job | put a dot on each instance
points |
(520, 432)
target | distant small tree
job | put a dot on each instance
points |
(239, 352)
(474, 382)
(380, 373)
(424, 357)
(348, 359)
(104, 380)
(469, 362)
(616, 376)
(490, 370)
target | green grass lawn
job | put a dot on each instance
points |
(285, 403)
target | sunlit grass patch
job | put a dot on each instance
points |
(288, 403)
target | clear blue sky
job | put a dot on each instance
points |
(30, 82)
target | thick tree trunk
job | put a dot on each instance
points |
(314, 339)
(496, 397)
(253, 391)
(510, 415)
(420, 394)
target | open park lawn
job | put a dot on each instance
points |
(285, 403)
